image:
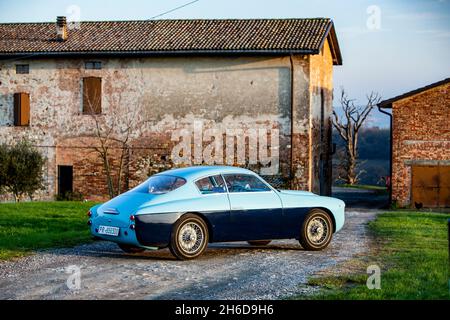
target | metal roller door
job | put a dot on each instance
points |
(431, 186)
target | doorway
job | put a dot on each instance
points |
(65, 180)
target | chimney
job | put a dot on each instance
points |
(61, 28)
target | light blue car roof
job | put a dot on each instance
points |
(193, 173)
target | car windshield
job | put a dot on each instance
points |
(162, 184)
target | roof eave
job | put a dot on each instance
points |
(388, 103)
(330, 34)
(27, 55)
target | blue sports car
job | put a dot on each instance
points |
(187, 208)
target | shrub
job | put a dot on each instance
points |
(20, 169)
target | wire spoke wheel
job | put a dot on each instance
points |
(316, 231)
(190, 237)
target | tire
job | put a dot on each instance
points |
(130, 249)
(316, 231)
(259, 242)
(189, 237)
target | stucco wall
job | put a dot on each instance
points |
(321, 108)
(170, 93)
(421, 136)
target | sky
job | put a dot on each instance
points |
(388, 46)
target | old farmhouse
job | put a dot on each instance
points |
(421, 146)
(131, 98)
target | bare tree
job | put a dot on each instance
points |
(113, 132)
(348, 128)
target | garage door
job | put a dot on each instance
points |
(431, 186)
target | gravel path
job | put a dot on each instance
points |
(225, 271)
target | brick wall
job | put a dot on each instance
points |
(421, 135)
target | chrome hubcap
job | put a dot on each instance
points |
(317, 230)
(190, 237)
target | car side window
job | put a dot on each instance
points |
(213, 184)
(244, 183)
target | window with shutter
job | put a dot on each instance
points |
(21, 109)
(92, 95)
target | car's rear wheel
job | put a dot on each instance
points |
(130, 249)
(189, 237)
(316, 231)
(259, 242)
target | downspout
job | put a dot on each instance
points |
(291, 173)
(390, 151)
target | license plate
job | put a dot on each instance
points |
(110, 231)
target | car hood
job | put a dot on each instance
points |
(126, 203)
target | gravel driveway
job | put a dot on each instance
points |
(225, 271)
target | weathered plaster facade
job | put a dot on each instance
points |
(421, 137)
(172, 93)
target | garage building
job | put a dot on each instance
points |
(421, 146)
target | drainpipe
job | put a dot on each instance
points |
(291, 173)
(390, 150)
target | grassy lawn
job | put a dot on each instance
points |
(377, 189)
(36, 225)
(412, 252)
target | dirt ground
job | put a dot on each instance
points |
(225, 271)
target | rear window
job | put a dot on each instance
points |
(162, 184)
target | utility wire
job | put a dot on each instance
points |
(174, 9)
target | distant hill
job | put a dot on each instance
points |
(373, 149)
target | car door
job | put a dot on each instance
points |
(215, 206)
(255, 208)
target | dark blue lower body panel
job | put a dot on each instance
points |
(151, 234)
(237, 225)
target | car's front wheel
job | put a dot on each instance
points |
(130, 249)
(316, 231)
(189, 237)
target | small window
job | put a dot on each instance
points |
(161, 184)
(93, 65)
(245, 183)
(214, 184)
(21, 109)
(22, 68)
(92, 95)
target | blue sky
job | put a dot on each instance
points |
(388, 46)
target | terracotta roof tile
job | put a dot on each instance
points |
(276, 35)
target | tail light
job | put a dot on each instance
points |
(89, 223)
(132, 227)
(89, 213)
(132, 218)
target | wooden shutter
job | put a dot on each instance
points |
(21, 109)
(92, 95)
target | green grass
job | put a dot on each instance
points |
(412, 252)
(28, 226)
(377, 189)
